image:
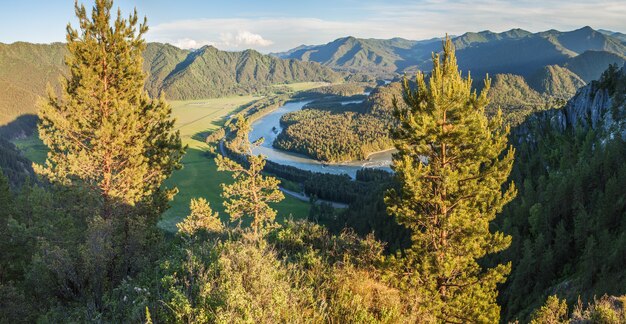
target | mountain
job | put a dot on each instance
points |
(26, 69)
(618, 35)
(590, 64)
(556, 81)
(352, 54)
(209, 72)
(515, 52)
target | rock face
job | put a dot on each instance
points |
(592, 106)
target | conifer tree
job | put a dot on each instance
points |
(452, 163)
(6, 208)
(104, 132)
(202, 218)
(251, 192)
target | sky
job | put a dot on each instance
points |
(278, 25)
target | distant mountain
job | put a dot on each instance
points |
(514, 52)
(590, 64)
(209, 72)
(26, 68)
(365, 55)
(618, 35)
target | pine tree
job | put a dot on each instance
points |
(251, 192)
(6, 208)
(202, 218)
(452, 163)
(105, 133)
(553, 312)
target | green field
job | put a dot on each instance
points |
(199, 176)
(301, 86)
(32, 148)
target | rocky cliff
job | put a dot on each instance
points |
(600, 105)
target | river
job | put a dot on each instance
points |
(269, 127)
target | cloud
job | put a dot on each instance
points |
(410, 19)
(188, 43)
(245, 39)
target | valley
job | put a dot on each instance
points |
(473, 178)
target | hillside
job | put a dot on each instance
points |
(567, 221)
(590, 64)
(209, 72)
(556, 81)
(378, 56)
(26, 68)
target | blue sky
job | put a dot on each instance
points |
(279, 25)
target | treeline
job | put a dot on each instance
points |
(568, 225)
(330, 131)
(569, 233)
(16, 167)
(333, 137)
(367, 212)
(332, 187)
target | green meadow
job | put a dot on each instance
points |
(199, 176)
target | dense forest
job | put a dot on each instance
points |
(335, 131)
(480, 222)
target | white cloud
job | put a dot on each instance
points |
(245, 39)
(411, 20)
(188, 43)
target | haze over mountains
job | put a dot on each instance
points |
(564, 57)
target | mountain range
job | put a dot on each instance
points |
(551, 63)
(26, 69)
(567, 57)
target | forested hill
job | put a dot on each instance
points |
(567, 222)
(209, 72)
(26, 68)
(515, 51)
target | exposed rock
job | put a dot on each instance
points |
(591, 107)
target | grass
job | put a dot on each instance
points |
(302, 86)
(32, 148)
(199, 176)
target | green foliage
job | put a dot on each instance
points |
(333, 137)
(340, 132)
(556, 81)
(209, 72)
(105, 133)
(567, 224)
(14, 166)
(517, 100)
(451, 164)
(202, 218)
(251, 192)
(344, 90)
(606, 310)
(553, 312)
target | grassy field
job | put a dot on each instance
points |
(301, 86)
(199, 176)
(32, 148)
